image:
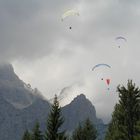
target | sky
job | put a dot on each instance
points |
(51, 57)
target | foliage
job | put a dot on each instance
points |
(55, 121)
(37, 133)
(126, 115)
(26, 136)
(85, 132)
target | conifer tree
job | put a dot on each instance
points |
(54, 123)
(137, 137)
(26, 136)
(89, 131)
(125, 118)
(85, 132)
(78, 133)
(36, 135)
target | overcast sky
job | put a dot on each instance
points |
(50, 56)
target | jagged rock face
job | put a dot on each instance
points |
(77, 111)
(13, 122)
(7, 73)
(21, 107)
(8, 120)
(14, 90)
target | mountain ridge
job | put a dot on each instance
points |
(15, 120)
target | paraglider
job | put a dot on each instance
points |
(100, 65)
(69, 13)
(120, 40)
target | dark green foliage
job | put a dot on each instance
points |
(26, 136)
(116, 129)
(78, 133)
(137, 137)
(90, 132)
(125, 118)
(55, 121)
(85, 132)
(37, 133)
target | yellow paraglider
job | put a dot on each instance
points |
(69, 13)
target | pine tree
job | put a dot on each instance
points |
(26, 136)
(78, 133)
(126, 115)
(54, 122)
(37, 133)
(137, 137)
(116, 129)
(89, 131)
(85, 132)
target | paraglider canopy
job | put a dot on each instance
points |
(121, 38)
(68, 13)
(101, 65)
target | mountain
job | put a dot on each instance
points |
(21, 106)
(78, 111)
(14, 90)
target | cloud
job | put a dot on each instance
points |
(29, 28)
(32, 29)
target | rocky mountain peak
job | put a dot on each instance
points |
(13, 89)
(80, 98)
(7, 72)
(83, 102)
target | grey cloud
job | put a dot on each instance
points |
(29, 29)
(32, 29)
